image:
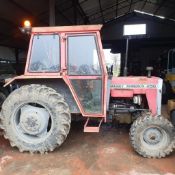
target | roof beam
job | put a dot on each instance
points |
(81, 11)
(167, 5)
(99, 1)
(85, 17)
(78, 7)
(130, 6)
(62, 14)
(158, 8)
(75, 11)
(107, 8)
(46, 12)
(143, 6)
(116, 11)
(57, 11)
(52, 12)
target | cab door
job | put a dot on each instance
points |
(85, 73)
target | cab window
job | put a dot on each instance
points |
(83, 58)
(45, 54)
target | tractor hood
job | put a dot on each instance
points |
(128, 87)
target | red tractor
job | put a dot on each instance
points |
(65, 74)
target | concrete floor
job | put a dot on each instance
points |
(106, 153)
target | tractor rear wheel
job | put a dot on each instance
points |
(152, 137)
(2, 98)
(35, 118)
(3, 94)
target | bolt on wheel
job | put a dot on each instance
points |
(153, 136)
(32, 121)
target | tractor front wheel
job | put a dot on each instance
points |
(35, 118)
(152, 137)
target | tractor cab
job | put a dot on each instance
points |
(73, 54)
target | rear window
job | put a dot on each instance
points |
(45, 54)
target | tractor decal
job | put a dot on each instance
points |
(135, 86)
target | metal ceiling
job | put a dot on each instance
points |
(71, 12)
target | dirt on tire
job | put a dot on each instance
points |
(58, 110)
(150, 149)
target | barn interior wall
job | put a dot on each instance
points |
(141, 58)
(155, 27)
(143, 50)
(7, 53)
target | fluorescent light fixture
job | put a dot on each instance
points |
(142, 12)
(134, 29)
(150, 14)
(162, 17)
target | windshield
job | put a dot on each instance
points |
(45, 54)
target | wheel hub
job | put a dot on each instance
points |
(34, 120)
(152, 136)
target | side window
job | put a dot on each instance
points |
(90, 94)
(83, 57)
(45, 54)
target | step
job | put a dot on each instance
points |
(88, 128)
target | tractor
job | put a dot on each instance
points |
(166, 71)
(65, 76)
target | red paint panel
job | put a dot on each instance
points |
(122, 93)
(83, 28)
(151, 96)
(134, 80)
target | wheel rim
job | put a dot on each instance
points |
(154, 137)
(32, 125)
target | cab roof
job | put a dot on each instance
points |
(79, 28)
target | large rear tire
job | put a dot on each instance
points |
(2, 98)
(3, 94)
(152, 137)
(35, 118)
